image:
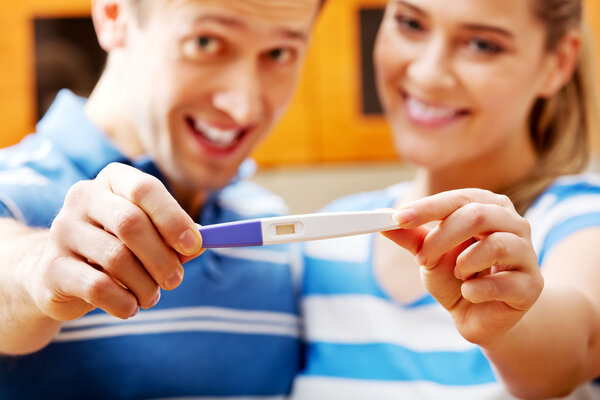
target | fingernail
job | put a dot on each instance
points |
(135, 311)
(190, 242)
(404, 216)
(154, 301)
(174, 280)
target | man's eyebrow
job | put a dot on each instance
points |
(292, 34)
(240, 24)
(222, 19)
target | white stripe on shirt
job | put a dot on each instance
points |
(316, 388)
(354, 249)
(180, 320)
(187, 313)
(354, 319)
(186, 326)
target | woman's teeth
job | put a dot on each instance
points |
(218, 137)
(426, 112)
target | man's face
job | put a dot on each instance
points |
(207, 79)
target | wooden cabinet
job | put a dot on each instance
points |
(326, 122)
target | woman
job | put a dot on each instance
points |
(502, 296)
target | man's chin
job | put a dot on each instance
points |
(207, 181)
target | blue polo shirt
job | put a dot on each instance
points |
(230, 330)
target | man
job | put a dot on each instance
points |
(99, 209)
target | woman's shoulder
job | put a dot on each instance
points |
(570, 204)
(583, 188)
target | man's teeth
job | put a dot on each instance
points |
(219, 137)
(424, 111)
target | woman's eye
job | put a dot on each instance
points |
(280, 56)
(209, 44)
(408, 23)
(483, 46)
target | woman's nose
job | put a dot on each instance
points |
(431, 69)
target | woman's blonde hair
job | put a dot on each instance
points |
(561, 127)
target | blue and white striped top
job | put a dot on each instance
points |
(364, 345)
(231, 329)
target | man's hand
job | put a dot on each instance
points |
(117, 240)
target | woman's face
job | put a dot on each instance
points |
(458, 81)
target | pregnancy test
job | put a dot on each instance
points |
(295, 228)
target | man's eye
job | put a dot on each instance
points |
(209, 44)
(280, 56)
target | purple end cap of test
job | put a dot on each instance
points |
(235, 234)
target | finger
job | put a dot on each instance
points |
(132, 226)
(115, 259)
(440, 280)
(473, 220)
(499, 248)
(147, 192)
(410, 239)
(517, 289)
(441, 205)
(74, 278)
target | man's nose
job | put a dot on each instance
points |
(241, 98)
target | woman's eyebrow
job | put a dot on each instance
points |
(411, 6)
(471, 26)
(489, 28)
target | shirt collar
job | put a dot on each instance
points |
(66, 125)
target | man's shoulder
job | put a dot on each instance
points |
(34, 177)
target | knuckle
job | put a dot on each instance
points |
(59, 226)
(464, 197)
(129, 222)
(98, 287)
(76, 192)
(497, 248)
(525, 227)
(47, 270)
(505, 201)
(110, 170)
(117, 255)
(475, 213)
(143, 188)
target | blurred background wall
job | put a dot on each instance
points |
(333, 140)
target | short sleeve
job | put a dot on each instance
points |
(5, 212)
(570, 205)
(34, 179)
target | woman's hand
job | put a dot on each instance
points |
(479, 262)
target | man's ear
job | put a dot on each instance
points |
(110, 21)
(563, 62)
